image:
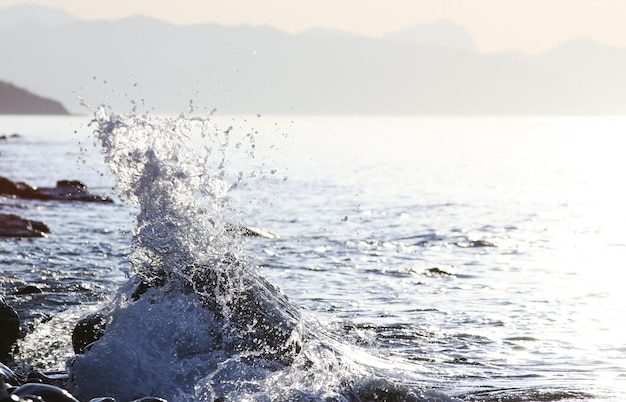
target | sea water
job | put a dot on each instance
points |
(429, 258)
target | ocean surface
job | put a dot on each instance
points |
(435, 259)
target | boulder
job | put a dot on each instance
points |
(15, 226)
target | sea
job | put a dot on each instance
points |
(414, 258)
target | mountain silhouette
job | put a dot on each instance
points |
(14, 100)
(146, 63)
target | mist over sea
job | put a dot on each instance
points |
(475, 259)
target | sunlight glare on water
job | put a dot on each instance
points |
(478, 256)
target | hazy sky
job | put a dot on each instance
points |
(526, 25)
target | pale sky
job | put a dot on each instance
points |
(496, 25)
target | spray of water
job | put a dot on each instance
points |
(196, 321)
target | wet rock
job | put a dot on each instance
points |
(9, 330)
(58, 378)
(146, 399)
(88, 330)
(254, 306)
(8, 376)
(65, 190)
(49, 393)
(14, 226)
(255, 300)
(8, 187)
(250, 231)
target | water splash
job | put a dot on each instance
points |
(181, 202)
(196, 321)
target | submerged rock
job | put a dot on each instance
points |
(28, 290)
(14, 226)
(65, 190)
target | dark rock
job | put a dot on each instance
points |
(8, 187)
(65, 190)
(48, 393)
(28, 290)
(15, 226)
(88, 330)
(7, 136)
(257, 301)
(58, 379)
(9, 377)
(146, 399)
(437, 271)
(9, 330)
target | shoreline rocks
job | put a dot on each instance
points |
(45, 387)
(14, 226)
(65, 190)
(9, 330)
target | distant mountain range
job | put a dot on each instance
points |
(430, 69)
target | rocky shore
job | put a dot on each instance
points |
(44, 387)
(34, 385)
(12, 225)
(22, 382)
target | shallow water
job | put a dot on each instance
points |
(522, 219)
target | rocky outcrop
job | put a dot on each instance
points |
(65, 190)
(15, 226)
(14, 100)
